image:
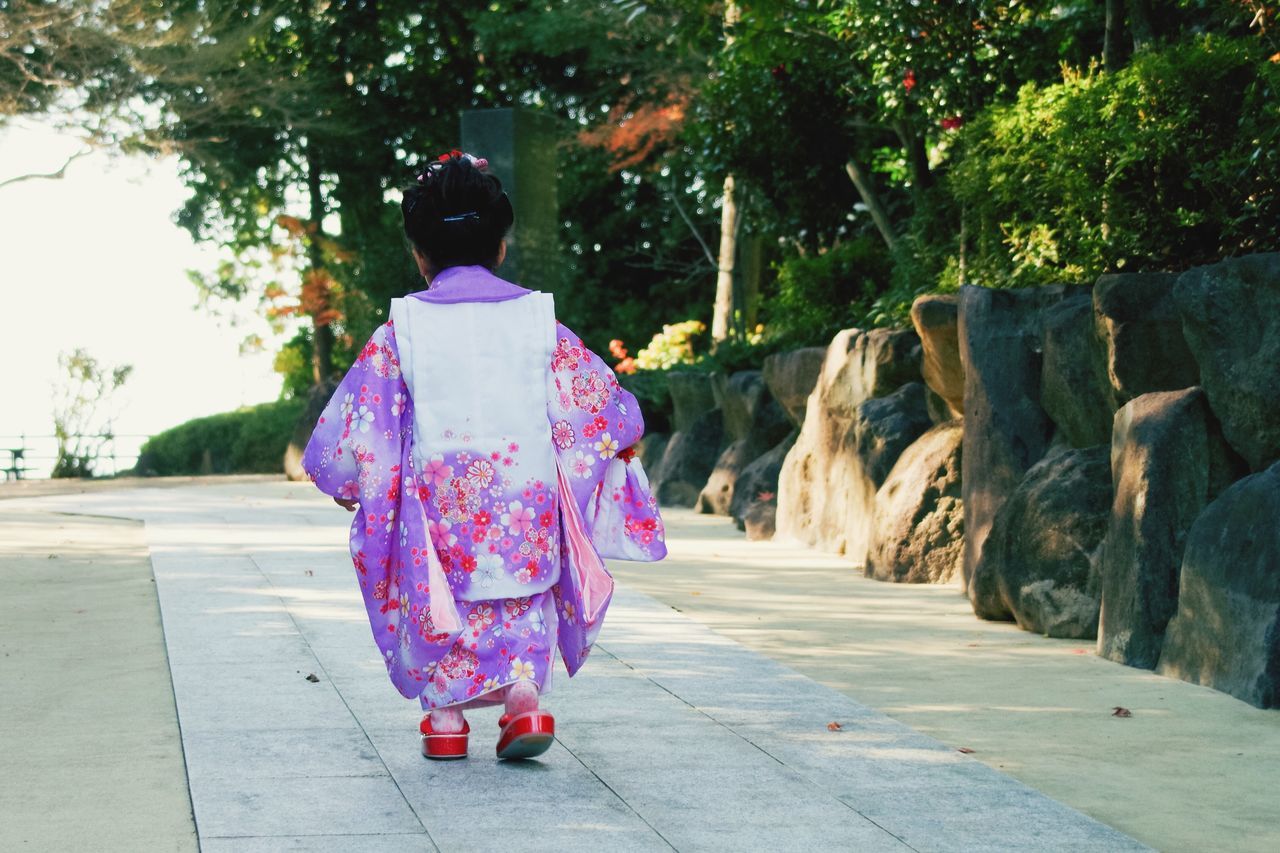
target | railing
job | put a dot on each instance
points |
(25, 456)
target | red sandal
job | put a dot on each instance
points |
(526, 735)
(444, 746)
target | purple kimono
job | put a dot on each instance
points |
(483, 518)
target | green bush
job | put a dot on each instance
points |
(251, 440)
(1170, 162)
(654, 396)
(817, 296)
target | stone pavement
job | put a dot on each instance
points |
(672, 737)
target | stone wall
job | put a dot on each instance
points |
(1088, 462)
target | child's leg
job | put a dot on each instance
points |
(522, 697)
(446, 721)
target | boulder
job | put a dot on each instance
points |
(887, 426)
(1226, 633)
(693, 394)
(1231, 318)
(1141, 333)
(936, 318)
(823, 488)
(1040, 564)
(760, 521)
(742, 394)
(917, 531)
(688, 459)
(756, 422)
(791, 377)
(1074, 389)
(650, 451)
(317, 399)
(717, 494)
(1168, 460)
(1006, 430)
(758, 484)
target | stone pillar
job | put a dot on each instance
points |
(520, 146)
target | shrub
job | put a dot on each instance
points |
(251, 440)
(817, 296)
(1167, 163)
(654, 396)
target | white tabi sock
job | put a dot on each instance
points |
(446, 721)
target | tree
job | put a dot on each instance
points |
(83, 411)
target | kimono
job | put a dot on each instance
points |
(491, 454)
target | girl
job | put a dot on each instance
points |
(488, 457)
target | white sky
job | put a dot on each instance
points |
(95, 261)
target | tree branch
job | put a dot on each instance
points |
(706, 250)
(53, 176)
(872, 201)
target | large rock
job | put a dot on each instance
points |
(1006, 430)
(650, 451)
(758, 482)
(1074, 389)
(688, 459)
(937, 321)
(1231, 317)
(1141, 333)
(791, 377)
(755, 422)
(824, 489)
(742, 394)
(693, 394)
(717, 494)
(1041, 562)
(1168, 460)
(918, 528)
(1226, 633)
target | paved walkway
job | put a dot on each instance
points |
(294, 738)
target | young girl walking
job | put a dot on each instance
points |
(487, 454)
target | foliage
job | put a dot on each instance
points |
(820, 294)
(83, 411)
(654, 396)
(1169, 162)
(250, 440)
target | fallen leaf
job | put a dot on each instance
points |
(694, 592)
(1121, 712)
(833, 726)
(972, 645)
(966, 750)
(312, 678)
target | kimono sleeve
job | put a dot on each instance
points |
(595, 425)
(364, 425)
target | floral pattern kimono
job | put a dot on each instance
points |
(481, 525)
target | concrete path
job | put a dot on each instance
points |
(673, 737)
(90, 754)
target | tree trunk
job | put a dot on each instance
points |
(322, 338)
(1141, 25)
(722, 312)
(1111, 40)
(872, 201)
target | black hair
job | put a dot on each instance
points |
(456, 214)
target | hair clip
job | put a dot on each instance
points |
(470, 214)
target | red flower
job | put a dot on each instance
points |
(909, 81)
(952, 122)
(446, 157)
